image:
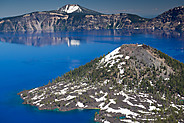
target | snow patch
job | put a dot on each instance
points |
(153, 108)
(101, 104)
(106, 121)
(33, 90)
(144, 112)
(140, 45)
(128, 121)
(126, 100)
(111, 55)
(121, 71)
(106, 81)
(122, 111)
(159, 105)
(127, 57)
(101, 98)
(151, 83)
(69, 97)
(166, 79)
(67, 103)
(163, 97)
(38, 97)
(79, 104)
(61, 92)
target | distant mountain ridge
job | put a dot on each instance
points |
(173, 19)
(75, 17)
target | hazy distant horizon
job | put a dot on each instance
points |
(143, 8)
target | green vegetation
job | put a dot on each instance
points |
(176, 81)
(84, 71)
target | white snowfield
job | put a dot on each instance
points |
(72, 8)
(113, 58)
(109, 58)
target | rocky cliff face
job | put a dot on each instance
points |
(75, 17)
(172, 20)
(36, 21)
(47, 21)
(132, 83)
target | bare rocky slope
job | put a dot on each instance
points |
(75, 17)
(133, 83)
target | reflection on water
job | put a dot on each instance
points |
(39, 39)
(76, 38)
(73, 42)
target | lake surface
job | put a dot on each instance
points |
(31, 60)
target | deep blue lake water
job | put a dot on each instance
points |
(31, 60)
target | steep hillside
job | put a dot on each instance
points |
(132, 83)
(171, 20)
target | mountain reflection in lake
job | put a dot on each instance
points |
(76, 38)
(40, 39)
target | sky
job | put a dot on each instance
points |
(144, 8)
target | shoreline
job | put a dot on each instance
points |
(56, 109)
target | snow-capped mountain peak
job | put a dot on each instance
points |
(76, 9)
(71, 8)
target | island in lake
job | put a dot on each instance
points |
(133, 83)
